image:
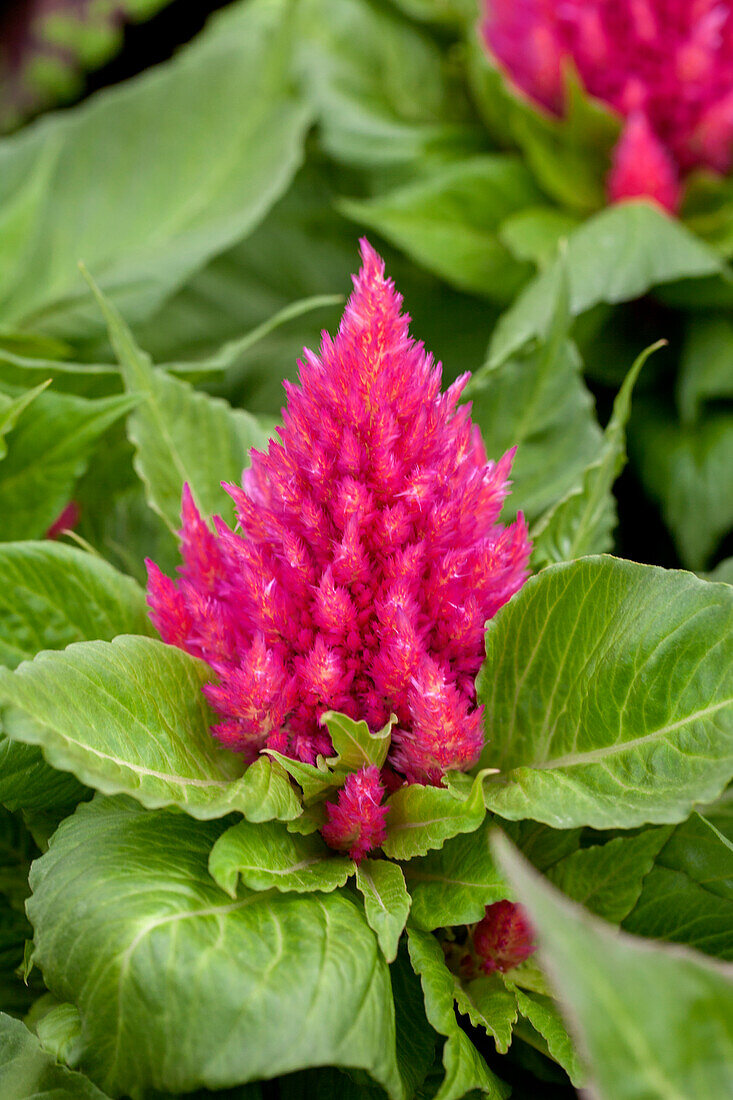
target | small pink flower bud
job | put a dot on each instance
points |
(504, 938)
(356, 820)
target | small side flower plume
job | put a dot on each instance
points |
(367, 559)
(356, 820)
(504, 938)
(666, 66)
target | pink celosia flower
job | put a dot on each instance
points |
(666, 66)
(367, 561)
(356, 821)
(504, 938)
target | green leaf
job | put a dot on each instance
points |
(421, 818)
(150, 179)
(537, 402)
(128, 717)
(689, 471)
(448, 221)
(416, 1040)
(380, 86)
(465, 1069)
(723, 572)
(354, 744)
(50, 448)
(605, 695)
(179, 435)
(488, 1004)
(607, 878)
(26, 1069)
(535, 233)
(315, 781)
(27, 782)
(178, 986)
(583, 521)
(52, 595)
(687, 897)
(544, 1015)
(706, 366)
(455, 884)
(59, 1032)
(615, 256)
(386, 901)
(265, 856)
(439, 11)
(541, 845)
(654, 1021)
(267, 794)
(10, 410)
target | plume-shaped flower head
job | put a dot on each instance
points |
(666, 66)
(504, 938)
(366, 562)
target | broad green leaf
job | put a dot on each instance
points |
(448, 221)
(488, 1004)
(687, 897)
(722, 572)
(178, 986)
(11, 408)
(27, 1070)
(386, 901)
(689, 471)
(465, 1069)
(654, 1022)
(380, 86)
(315, 781)
(52, 595)
(541, 845)
(607, 696)
(416, 1040)
(149, 179)
(583, 521)
(265, 856)
(421, 818)
(354, 744)
(49, 449)
(536, 401)
(179, 435)
(706, 366)
(267, 794)
(535, 233)
(544, 1015)
(455, 884)
(607, 878)
(59, 1032)
(127, 717)
(615, 256)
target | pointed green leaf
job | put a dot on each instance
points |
(26, 1069)
(49, 450)
(465, 1069)
(583, 521)
(179, 435)
(315, 781)
(421, 818)
(455, 884)
(126, 716)
(489, 1004)
(354, 744)
(544, 1015)
(11, 408)
(607, 878)
(386, 901)
(653, 1022)
(607, 696)
(266, 856)
(267, 794)
(178, 986)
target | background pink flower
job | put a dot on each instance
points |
(666, 66)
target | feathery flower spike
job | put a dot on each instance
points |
(367, 561)
(504, 938)
(356, 820)
(666, 66)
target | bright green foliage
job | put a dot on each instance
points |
(421, 818)
(656, 1022)
(264, 856)
(26, 1069)
(386, 901)
(177, 985)
(629, 715)
(354, 744)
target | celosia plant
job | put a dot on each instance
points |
(666, 66)
(367, 561)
